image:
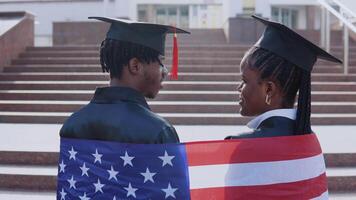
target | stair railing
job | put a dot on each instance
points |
(346, 16)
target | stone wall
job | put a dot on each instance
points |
(79, 33)
(245, 30)
(16, 38)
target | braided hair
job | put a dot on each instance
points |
(290, 78)
(115, 54)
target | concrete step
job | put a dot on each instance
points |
(90, 60)
(28, 182)
(229, 47)
(175, 118)
(165, 106)
(340, 159)
(182, 53)
(182, 60)
(97, 68)
(183, 76)
(183, 47)
(165, 95)
(168, 85)
(182, 68)
(30, 158)
(95, 54)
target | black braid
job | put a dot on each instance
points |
(114, 55)
(304, 105)
(289, 77)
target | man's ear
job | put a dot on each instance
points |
(134, 66)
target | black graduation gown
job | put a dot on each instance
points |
(270, 127)
(119, 114)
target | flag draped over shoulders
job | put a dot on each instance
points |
(289, 167)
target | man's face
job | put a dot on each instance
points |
(153, 75)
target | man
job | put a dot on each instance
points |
(132, 54)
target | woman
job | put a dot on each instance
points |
(293, 167)
(273, 71)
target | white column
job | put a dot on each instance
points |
(322, 27)
(327, 32)
(346, 49)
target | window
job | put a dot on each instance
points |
(176, 15)
(286, 16)
(142, 15)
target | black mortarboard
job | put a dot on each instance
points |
(286, 43)
(145, 34)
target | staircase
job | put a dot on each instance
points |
(46, 84)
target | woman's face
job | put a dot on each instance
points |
(252, 92)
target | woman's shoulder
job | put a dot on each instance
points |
(271, 127)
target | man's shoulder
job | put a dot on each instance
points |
(126, 122)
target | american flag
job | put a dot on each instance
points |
(263, 168)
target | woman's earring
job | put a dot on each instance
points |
(268, 100)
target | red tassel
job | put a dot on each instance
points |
(174, 70)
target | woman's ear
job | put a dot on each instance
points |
(271, 88)
(134, 66)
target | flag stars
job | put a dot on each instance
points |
(130, 191)
(63, 194)
(84, 170)
(97, 156)
(127, 159)
(72, 183)
(72, 154)
(99, 186)
(112, 173)
(84, 197)
(61, 167)
(167, 159)
(170, 191)
(148, 176)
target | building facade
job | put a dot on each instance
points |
(191, 14)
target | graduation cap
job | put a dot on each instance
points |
(291, 46)
(145, 34)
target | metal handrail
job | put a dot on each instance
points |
(347, 26)
(344, 8)
(338, 15)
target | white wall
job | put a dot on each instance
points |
(263, 7)
(293, 2)
(48, 12)
(350, 4)
(230, 9)
(209, 17)
(133, 5)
